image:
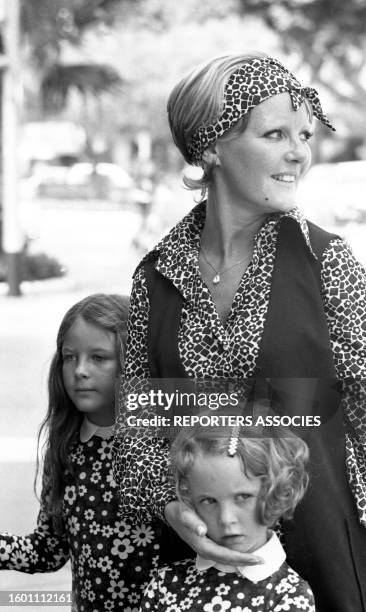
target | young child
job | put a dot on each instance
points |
(240, 487)
(79, 515)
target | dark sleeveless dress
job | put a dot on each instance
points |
(324, 542)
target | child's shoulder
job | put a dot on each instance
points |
(287, 581)
(91, 462)
(288, 574)
(175, 571)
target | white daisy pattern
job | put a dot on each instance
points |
(223, 592)
(142, 536)
(94, 536)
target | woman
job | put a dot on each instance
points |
(245, 287)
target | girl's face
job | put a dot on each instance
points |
(226, 500)
(260, 169)
(90, 370)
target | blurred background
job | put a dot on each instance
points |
(90, 179)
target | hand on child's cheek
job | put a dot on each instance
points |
(225, 499)
(187, 523)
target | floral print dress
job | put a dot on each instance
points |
(112, 560)
(183, 587)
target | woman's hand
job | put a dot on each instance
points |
(192, 530)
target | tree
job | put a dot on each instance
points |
(47, 25)
(328, 35)
(158, 42)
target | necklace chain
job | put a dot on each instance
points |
(217, 278)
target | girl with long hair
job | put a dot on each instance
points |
(79, 513)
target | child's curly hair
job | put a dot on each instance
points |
(278, 459)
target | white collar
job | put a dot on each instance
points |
(89, 429)
(271, 552)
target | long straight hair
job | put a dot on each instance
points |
(62, 422)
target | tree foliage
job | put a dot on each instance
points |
(328, 35)
(85, 78)
(160, 15)
(47, 24)
(150, 43)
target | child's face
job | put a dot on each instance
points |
(226, 500)
(90, 369)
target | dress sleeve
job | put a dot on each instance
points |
(136, 364)
(141, 461)
(344, 295)
(44, 550)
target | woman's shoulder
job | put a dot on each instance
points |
(332, 248)
(319, 233)
(177, 238)
(294, 224)
(321, 239)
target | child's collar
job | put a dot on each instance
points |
(271, 552)
(89, 429)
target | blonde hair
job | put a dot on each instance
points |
(198, 99)
(279, 461)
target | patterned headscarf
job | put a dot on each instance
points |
(248, 86)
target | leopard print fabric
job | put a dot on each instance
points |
(208, 349)
(247, 87)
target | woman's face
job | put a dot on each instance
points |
(260, 169)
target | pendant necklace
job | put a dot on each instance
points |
(217, 278)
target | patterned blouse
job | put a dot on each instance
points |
(111, 560)
(209, 349)
(183, 587)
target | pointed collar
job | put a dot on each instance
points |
(89, 429)
(271, 552)
(176, 255)
(297, 215)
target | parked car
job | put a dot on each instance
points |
(335, 194)
(83, 180)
